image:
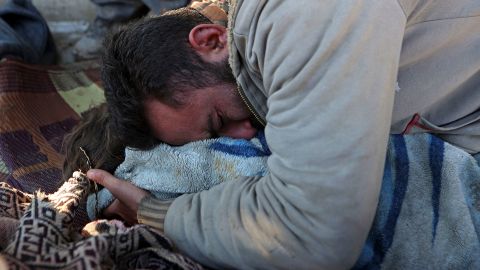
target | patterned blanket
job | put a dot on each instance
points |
(45, 238)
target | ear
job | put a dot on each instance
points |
(209, 41)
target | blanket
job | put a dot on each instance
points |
(45, 238)
(428, 212)
(428, 216)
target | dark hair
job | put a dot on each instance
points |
(95, 135)
(153, 58)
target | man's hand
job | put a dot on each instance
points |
(128, 196)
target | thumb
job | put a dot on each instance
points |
(103, 178)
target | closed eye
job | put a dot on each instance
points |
(222, 122)
(211, 127)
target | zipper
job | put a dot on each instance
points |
(250, 107)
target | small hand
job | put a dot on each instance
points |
(127, 195)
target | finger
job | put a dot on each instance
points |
(103, 178)
(112, 211)
(122, 190)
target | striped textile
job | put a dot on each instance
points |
(428, 215)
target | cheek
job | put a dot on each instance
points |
(157, 130)
(238, 110)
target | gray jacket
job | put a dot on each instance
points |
(322, 75)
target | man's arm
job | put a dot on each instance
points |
(329, 69)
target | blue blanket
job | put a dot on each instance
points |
(428, 212)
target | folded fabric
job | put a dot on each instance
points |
(168, 171)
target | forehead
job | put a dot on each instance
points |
(178, 125)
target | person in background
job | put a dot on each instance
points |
(112, 13)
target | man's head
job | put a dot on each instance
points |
(167, 78)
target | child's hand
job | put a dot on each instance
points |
(128, 196)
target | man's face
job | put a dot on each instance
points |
(206, 113)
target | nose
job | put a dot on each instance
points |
(242, 129)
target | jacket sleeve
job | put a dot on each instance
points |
(329, 70)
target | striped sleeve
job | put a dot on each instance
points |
(152, 212)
